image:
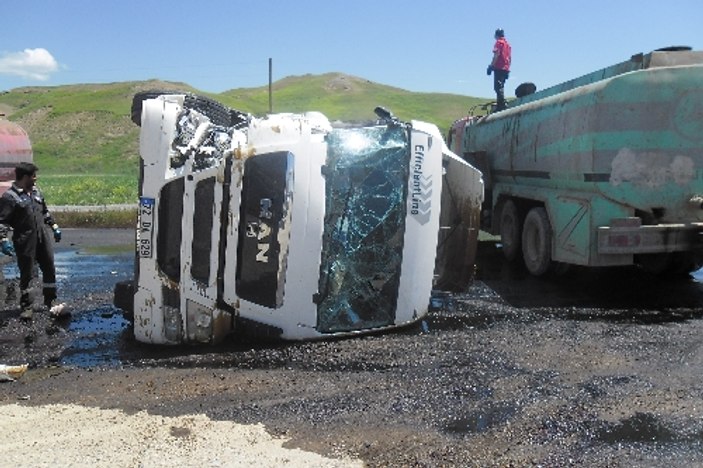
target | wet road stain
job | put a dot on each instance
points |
(97, 333)
(641, 427)
(101, 336)
(180, 432)
(609, 288)
(79, 274)
(444, 321)
(482, 420)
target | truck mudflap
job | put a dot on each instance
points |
(628, 236)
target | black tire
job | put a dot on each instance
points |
(537, 242)
(123, 298)
(142, 96)
(525, 89)
(510, 232)
(218, 114)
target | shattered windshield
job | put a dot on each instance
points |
(366, 191)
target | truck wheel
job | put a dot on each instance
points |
(510, 230)
(139, 98)
(537, 242)
(123, 298)
(219, 114)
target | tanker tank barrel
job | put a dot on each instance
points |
(566, 164)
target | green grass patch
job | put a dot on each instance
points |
(94, 189)
(108, 249)
(87, 147)
(102, 219)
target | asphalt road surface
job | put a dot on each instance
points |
(593, 368)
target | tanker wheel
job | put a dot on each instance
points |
(537, 242)
(510, 230)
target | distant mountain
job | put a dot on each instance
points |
(86, 129)
(349, 98)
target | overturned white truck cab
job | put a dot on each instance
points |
(285, 227)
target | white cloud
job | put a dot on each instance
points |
(34, 64)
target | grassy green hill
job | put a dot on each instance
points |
(87, 147)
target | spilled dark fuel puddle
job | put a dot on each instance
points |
(96, 331)
(643, 428)
(481, 420)
(101, 336)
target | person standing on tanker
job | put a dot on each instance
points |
(500, 66)
(24, 211)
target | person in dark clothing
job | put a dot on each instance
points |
(24, 211)
(500, 67)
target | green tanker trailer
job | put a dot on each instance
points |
(603, 170)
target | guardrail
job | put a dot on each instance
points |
(91, 208)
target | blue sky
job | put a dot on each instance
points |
(429, 46)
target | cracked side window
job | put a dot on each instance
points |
(202, 229)
(168, 248)
(366, 191)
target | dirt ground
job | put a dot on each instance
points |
(593, 368)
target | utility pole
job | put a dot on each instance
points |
(270, 85)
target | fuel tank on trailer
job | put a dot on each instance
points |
(15, 147)
(632, 133)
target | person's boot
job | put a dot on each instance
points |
(57, 310)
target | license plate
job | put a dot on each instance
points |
(145, 231)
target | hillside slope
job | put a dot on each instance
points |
(87, 146)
